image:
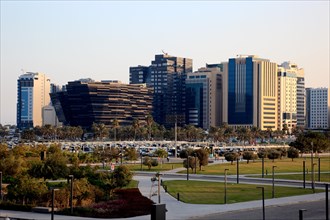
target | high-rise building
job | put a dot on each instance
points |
(32, 95)
(317, 108)
(167, 78)
(87, 102)
(287, 95)
(301, 98)
(203, 97)
(251, 98)
(139, 75)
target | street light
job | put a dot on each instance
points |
(1, 185)
(187, 166)
(71, 193)
(226, 186)
(141, 160)
(53, 200)
(195, 163)
(273, 189)
(263, 201)
(313, 177)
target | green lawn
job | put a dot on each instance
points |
(202, 192)
(132, 184)
(163, 167)
(282, 166)
(325, 177)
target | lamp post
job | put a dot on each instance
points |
(273, 182)
(225, 197)
(313, 177)
(263, 201)
(304, 174)
(53, 201)
(1, 185)
(262, 167)
(237, 173)
(195, 163)
(187, 166)
(71, 193)
(327, 201)
(312, 166)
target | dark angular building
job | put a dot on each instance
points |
(86, 102)
(167, 75)
(139, 75)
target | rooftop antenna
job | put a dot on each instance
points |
(164, 52)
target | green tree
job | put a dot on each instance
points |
(122, 176)
(150, 162)
(100, 130)
(150, 123)
(203, 157)
(293, 153)
(27, 190)
(249, 155)
(217, 134)
(115, 126)
(273, 154)
(243, 134)
(262, 153)
(131, 154)
(161, 153)
(135, 126)
(231, 156)
(28, 135)
(192, 163)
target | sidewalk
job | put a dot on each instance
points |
(179, 210)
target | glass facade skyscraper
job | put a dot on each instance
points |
(252, 92)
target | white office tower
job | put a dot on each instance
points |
(317, 108)
(287, 96)
(32, 95)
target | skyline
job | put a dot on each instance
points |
(101, 40)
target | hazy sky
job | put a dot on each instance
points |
(100, 40)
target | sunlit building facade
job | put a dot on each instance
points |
(32, 95)
(287, 96)
(251, 96)
(203, 95)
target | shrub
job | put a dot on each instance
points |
(273, 154)
(249, 155)
(231, 156)
(293, 153)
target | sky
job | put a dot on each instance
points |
(69, 40)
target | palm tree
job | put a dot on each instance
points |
(256, 133)
(115, 125)
(229, 131)
(243, 134)
(217, 133)
(136, 126)
(150, 122)
(100, 130)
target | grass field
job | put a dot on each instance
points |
(132, 184)
(163, 167)
(325, 177)
(202, 192)
(282, 166)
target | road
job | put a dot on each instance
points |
(315, 211)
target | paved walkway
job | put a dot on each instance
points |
(178, 210)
